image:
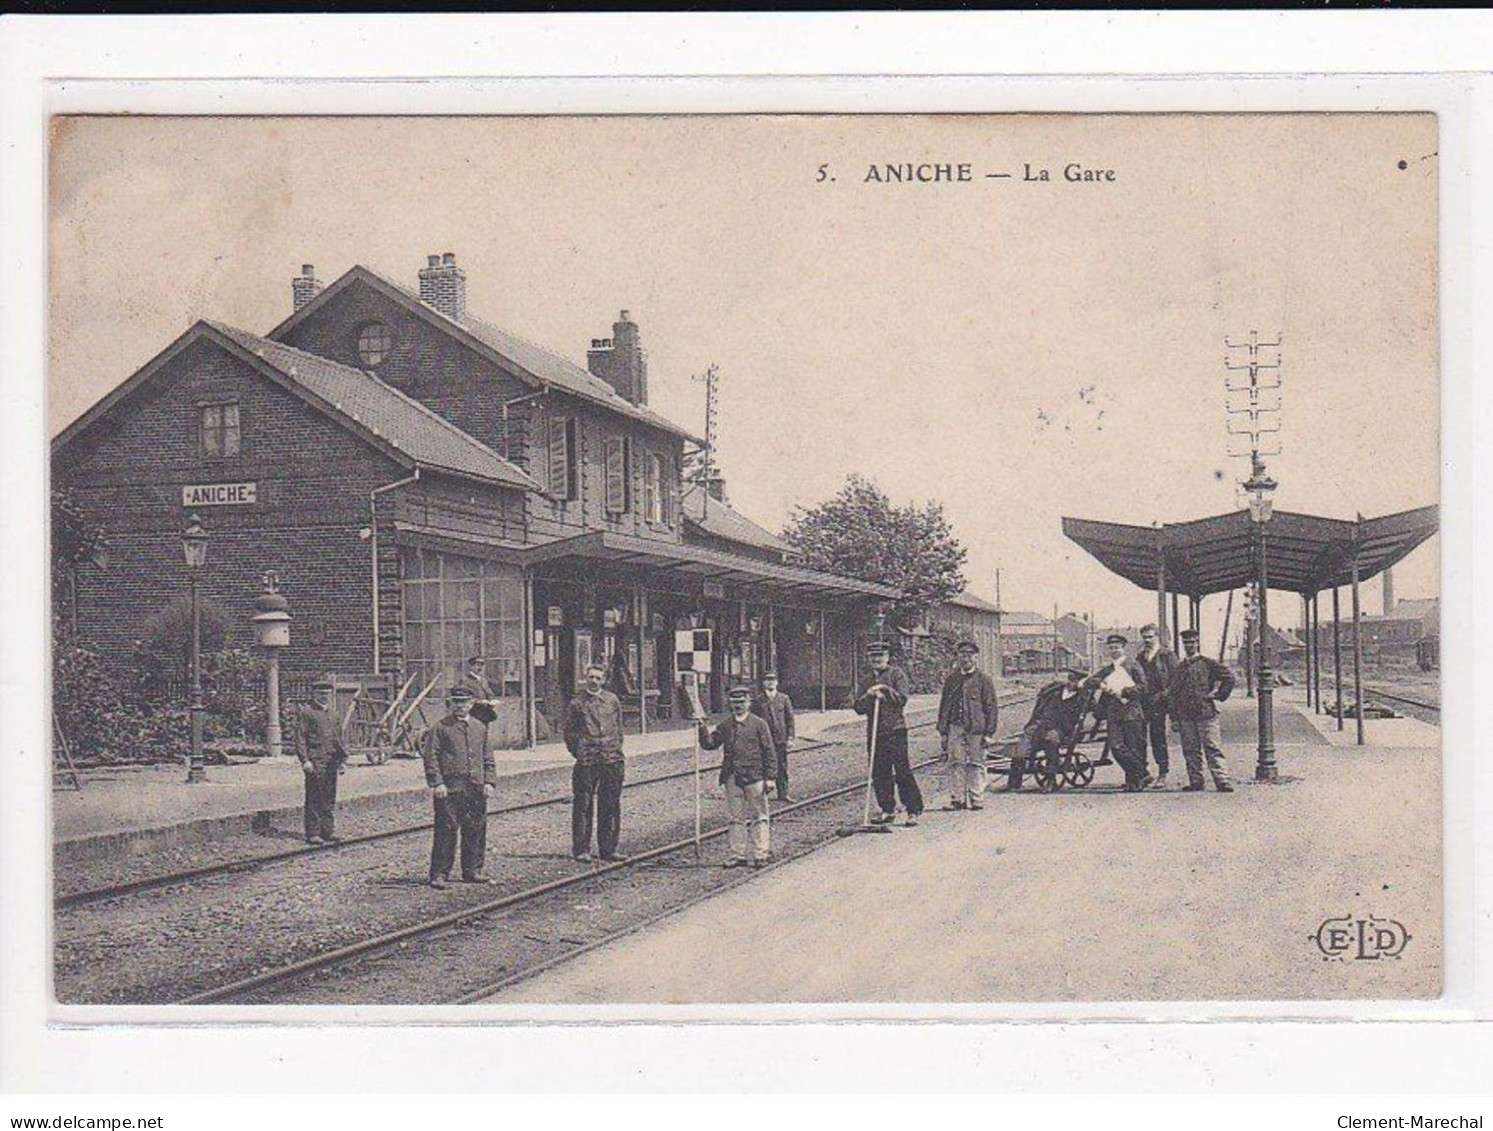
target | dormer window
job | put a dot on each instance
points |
(374, 343)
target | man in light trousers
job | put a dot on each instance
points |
(967, 718)
(748, 764)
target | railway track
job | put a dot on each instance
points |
(263, 985)
(247, 864)
(1403, 700)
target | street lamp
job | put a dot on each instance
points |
(1260, 487)
(194, 548)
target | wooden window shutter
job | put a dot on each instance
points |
(559, 457)
(616, 475)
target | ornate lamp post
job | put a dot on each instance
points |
(272, 632)
(1260, 488)
(194, 547)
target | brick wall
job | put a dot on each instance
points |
(313, 481)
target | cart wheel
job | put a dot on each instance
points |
(1045, 770)
(1081, 771)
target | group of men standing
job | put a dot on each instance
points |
(1136, 697)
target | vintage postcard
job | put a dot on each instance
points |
(816, 560)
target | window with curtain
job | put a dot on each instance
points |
(219, 435)
(619, 481)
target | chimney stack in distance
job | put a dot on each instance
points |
(304, 287)
(1389, 591)
(620, 361)
(443, 286)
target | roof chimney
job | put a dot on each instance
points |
(1389, 591)
(620, 361)
(443, 286)
(304, 287)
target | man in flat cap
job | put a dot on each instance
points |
(775, 709)
(891, 772)
(1057, 714)
(1120, 685)
(968, 714)
(461, 774)
(593, 735)
(747, 766)
(1159, 663)
(1198, 686)
(321, 750)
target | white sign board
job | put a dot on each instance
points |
(220, 495)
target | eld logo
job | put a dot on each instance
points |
(1367, 939)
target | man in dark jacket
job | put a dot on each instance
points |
(1120, 686)
(747, 765)
(1198, 686)
(775, 709)
(968, 714)
(1159, 663)
(593, 735)
(321, 750)
(891, 772)
(1057, 714)
(461, 774)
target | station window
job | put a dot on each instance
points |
(374, 343)
(653, 489)
(219, 436)
(562, 457)
(619, 479)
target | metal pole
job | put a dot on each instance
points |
(1055, 644)
(273, 738)
(1357, 653)
(642, 614)
(1265, 769)
(531, 697)
(1223, 640)
(1306, 634)
(1000, 640)
(1176, 623)
(1337, 657)
(196, 769)
(1317, 647)
(1160, 590)
(823, 688)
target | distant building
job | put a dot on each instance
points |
(1391, 636)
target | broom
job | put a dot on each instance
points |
(866, 826)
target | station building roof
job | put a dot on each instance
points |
(1304, 553)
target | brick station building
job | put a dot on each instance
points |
(429, 487)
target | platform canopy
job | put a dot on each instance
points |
(1304, 553)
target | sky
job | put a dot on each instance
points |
(1018, 350)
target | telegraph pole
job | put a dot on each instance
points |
(711, 378)
(1253, 405)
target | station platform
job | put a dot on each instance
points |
(1089, 895)
(134, 809)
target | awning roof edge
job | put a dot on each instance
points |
(1304, 553)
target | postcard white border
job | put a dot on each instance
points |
(395, 47)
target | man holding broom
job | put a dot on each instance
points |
(881, 700)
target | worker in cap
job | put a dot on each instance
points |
(322, 752)
(882, 698)
(1119, 687)
(747, 767)
(593, 735)
(1159, 663)
(1197, 687)
(461, 774)
(775, 709)
(1056, 717)
(968, 715)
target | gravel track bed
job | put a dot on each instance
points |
(164, 944)
(512, 942)
(285, 838)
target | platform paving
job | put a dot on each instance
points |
(1090, 895)
(132, 809)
